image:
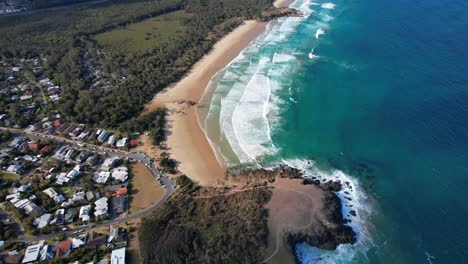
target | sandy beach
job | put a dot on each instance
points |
(187, 142)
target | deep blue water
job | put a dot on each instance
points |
(387, 102)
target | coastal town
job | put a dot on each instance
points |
(58, 189)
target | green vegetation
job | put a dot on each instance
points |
(153, 122)
(66, 36)
(221, 229)
(147, 35)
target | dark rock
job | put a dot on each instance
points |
(306, 181)
(352, 212)
(331, 186)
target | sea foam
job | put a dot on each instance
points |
(328, 5)
(319, 32)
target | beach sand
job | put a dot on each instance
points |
(187, 142)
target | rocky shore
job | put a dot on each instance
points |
(331, 231)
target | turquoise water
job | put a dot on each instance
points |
(379, 99)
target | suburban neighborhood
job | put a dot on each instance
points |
(67, 194)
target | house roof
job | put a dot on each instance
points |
(32, 253)
(62, 248)
(33, 145)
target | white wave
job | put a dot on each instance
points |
(328, 5)
(313, 56)
(283, 58)
(319, 32)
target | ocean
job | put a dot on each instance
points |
(373, 93)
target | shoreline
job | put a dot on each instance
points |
(187, 141)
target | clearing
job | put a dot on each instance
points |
(149, 34)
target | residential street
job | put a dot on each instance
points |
(134, 156)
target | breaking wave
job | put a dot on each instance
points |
(245, 108)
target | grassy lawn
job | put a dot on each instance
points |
(147, 35)
(145, 189)
(10, 177)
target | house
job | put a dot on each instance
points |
(79, 241)
(91, 161)
(32, 209)
(103, 136)
(45, 150)
(90, 195)
(78, 197)
(133, 143)
(120, 174)
(101, 207)
(32, 253)
(42, 221)
(18, 169)
(102, 177)
(120, 191)
(59, 217)
(33, 146)
(63, 248)
(84, 213)
(119, 204)
(121, 143)
(50, 192)
(111, 140)
(70, 215)
(47, 252)
(118, 256)
(16, 142)
(109, 162)
(30, 158)
(96, 240)
(117, 236)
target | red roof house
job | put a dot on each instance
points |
(62, 248)
(120, 191)
(33, 146)
(45, 149)
(133, 143)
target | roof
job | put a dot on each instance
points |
(13, 258)
(45, 149)
(32, 253)
(62, 248)
(118, 256)
(33, 145)
(120, 191)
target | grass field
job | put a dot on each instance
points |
(147, 35)
(145, 189)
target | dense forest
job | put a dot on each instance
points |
(64, 36)
(219, 229)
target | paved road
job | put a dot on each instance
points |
(135, 156)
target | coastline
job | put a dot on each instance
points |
(187, 141)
